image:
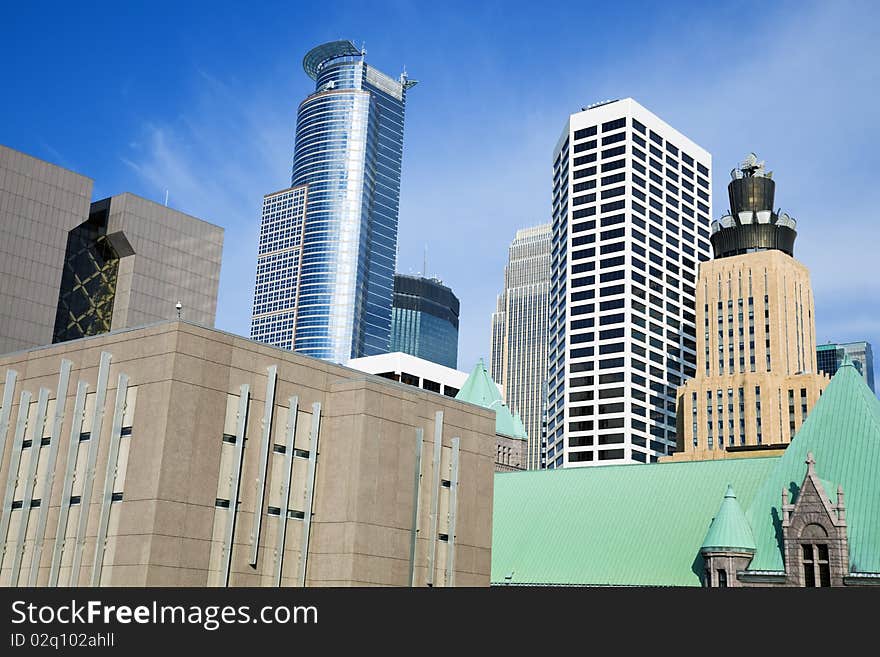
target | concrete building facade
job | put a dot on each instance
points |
(757, 377)
(39, 204)
(165, 256)
(518, 359)
(184, 456)
(413, 371)
(70, 268)
(475, 388)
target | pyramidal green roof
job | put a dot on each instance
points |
(843, 433)
(481, 390)
(506, 424)
(729, 529)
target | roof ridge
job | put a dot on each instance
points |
(870, 400)
(843, 431)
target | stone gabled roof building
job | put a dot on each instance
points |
(511, 438)
(810, 517)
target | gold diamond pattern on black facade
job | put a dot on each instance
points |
(88, 284)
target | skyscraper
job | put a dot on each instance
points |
(70, 268)
(756, 378)
(830, 356)
(326, 260)
(424, 319)
(518, 360)
(631, 208)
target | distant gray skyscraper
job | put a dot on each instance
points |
(518, 359)
(424, 319)
(327, 251)
(830, 356)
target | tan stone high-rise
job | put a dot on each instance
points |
(757, 377)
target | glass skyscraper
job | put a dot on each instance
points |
(830, 356)
(327, 252)
(518, 359)
(424, 319)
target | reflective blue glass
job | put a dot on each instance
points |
(424, 320)
(347, 156)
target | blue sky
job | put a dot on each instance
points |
(200, 99)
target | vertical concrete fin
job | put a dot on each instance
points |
(435, 497)
(24, 405)
(49, 476)
(67, 488)
(30, 478)
(109, 478)
(310, 492)
(240, 429)
(290, 437)
(453, 511)
(88, 482)
(265, 443)
(417, 497)
(6, 411)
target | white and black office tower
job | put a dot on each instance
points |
(631, 211)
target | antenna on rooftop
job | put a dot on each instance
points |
(166, 198)
(425, 262)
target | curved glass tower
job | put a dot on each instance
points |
(346, 162)
(424, 320)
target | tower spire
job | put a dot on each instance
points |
(752, 224)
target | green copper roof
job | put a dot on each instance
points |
(506, 424)
(519, 426)
(617, 524)
(480, 389)
(729, 529)
(830, 489)
(843, 433)
(644, 524)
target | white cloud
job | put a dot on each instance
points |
(217, 160)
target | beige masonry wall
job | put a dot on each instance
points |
(756, 374)
(176, 257)
(39, 204)
(172, 430)
(166, 256)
